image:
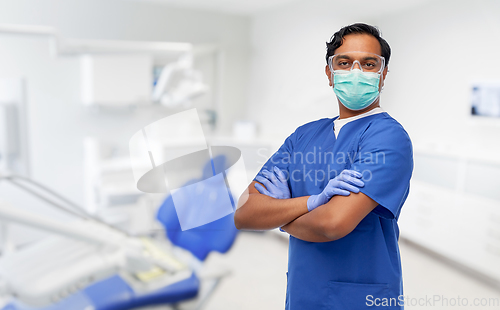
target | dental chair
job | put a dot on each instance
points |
(91, 266)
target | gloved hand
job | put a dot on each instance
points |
(275, 182)
(343, 185)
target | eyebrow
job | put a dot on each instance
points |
(343, 56)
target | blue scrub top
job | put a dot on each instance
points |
(363, 269)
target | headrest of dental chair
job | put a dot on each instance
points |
(217, 236)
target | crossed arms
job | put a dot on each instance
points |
(330, 221)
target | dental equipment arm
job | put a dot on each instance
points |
(75, 210)
(9, 213)
(81, 252)
(93, 233)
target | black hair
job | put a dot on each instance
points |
(338, 38)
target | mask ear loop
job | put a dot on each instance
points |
(381, 74)
(383, 80)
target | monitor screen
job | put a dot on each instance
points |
(485, 99)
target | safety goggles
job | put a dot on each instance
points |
(366, 62)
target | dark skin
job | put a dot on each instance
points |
(328, 222)
(361, 43)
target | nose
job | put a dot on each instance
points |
(356, 63)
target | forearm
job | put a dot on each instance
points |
(261, 212)
(308, 227)
(333, 220)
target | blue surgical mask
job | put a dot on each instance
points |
(356, 89)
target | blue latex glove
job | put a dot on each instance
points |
(275, 184)
(346, 182)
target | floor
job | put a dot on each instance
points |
(258, 262)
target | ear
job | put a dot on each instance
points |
(329, 75)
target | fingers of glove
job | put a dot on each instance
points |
(353, 173)
(333, 183)
(266, 182)
(281, 176)
(284, 191)
(332, 191)
(340, 192)
(347, 186)
(335, 186)
(270, 176)
(352, 180)
(262, 190)
(266, 172)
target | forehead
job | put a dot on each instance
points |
(360, 42)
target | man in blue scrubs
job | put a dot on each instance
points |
(337, 187)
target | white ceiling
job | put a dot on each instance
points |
(242, 7)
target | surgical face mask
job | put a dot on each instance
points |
(356, 89)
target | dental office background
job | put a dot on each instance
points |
(255, 72)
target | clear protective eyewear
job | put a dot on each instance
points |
(366, 62)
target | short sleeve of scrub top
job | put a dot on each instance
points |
(286, 154)
(385, 159)
(281, 158)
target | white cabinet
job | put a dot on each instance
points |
(452, 217)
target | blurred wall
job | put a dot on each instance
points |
(288, 85)
(438, 49)
(57, 120)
